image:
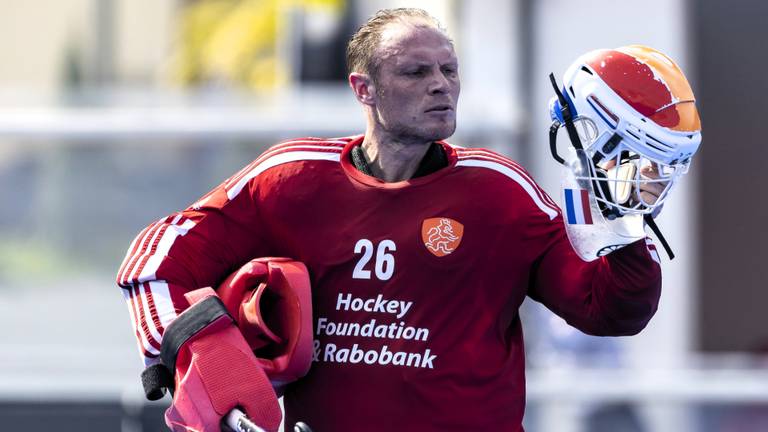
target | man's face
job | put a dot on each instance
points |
(417, 84)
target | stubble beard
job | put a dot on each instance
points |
(413, 133)
(418, 135)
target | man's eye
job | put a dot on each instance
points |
(415, 73)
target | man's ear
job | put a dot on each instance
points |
(364, 88)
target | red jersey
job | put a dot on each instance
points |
(416, 284)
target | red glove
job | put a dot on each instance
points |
(215, 370)
(270, 299)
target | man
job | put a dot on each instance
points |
(419, 253)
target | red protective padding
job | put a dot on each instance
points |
(271, 301)
(216, 371)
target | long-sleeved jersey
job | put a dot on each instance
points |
(416, 284)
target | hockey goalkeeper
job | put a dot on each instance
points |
(418, 253)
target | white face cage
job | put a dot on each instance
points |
(624, 180)
(635, 162)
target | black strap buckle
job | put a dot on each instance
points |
(156, 379)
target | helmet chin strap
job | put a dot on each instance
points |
(553, 141)
(565, 110)
(655, 228)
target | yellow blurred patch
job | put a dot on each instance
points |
(235, 42)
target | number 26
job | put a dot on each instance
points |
(385, 261)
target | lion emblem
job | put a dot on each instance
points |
(442, 235)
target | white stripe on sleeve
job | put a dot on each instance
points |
(144, 252)
(169, 236)
(279, 159)
(163, 304)
(150, 323)
(514, 175)
(136, 322)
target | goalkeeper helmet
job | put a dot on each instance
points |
(631, 111)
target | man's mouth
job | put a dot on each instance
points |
(440, 108)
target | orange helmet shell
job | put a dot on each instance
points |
(650, 82)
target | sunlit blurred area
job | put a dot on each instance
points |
(114, 113)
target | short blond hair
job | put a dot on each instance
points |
(361, 48)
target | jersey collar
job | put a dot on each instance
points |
(435, 163)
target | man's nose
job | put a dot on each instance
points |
(439, 83)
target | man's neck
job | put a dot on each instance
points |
(393, 161)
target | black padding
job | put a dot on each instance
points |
(434, 159)
(611, 143)
(155, 380)
(597, 157)
(601, 189)
(188, 324)
(358, 160)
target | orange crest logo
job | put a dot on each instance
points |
(441, 235)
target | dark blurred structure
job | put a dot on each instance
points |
(68, 416)
(729, 67)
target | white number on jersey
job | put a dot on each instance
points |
(385, 261)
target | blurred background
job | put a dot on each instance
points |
(114, 113)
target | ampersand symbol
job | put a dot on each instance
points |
(316, 355)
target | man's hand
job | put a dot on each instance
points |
(650, 191)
